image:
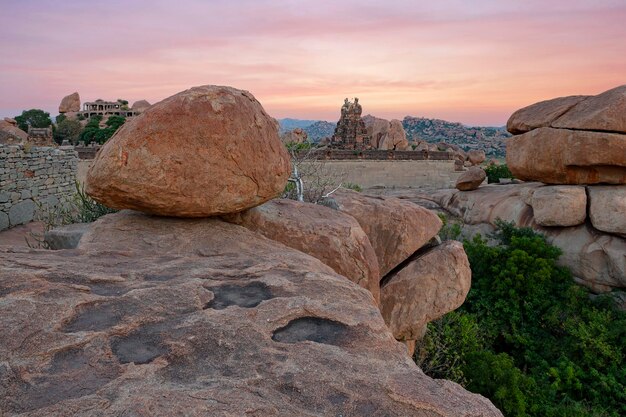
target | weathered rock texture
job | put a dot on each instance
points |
(385, 134)
(426, 288)
(596, 259)
(70, 104)
(200, 317)
(606, 112)
(395, 228)
(562, 156)
(541, 114)
(34, 178)
(560, 205)
(476, 157)
(205, 151)
(471, 179)
(296, 135)
(571, 140)
(607, 208)
(140, 106)
(10, 133)
(333, 237)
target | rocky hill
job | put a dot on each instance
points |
(288, 124)
(492, 140)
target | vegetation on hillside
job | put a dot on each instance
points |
(94, 133)
(67, 129)
(527, 337)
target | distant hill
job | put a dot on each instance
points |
(290, 124)
(315, 129)
(490, 139)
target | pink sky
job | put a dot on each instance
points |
(469, 61)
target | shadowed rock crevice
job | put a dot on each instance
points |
(313, 329)
(247, 296)
(417, 254)
(95, 317)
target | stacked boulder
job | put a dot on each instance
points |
(214, 298)
(572, 152)
(386, 134)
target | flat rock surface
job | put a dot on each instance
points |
(196, 321)
(604, 112)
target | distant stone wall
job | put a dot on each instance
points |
(395, 173)
(30, 178)
(379, 155)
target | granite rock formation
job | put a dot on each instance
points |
(559, 205)
(140, 106)
(205, 151)
(385, 134)
(571, 140)
(70, 104)
(297, 135)
(158, 316)
(471, 179)
(11, 134)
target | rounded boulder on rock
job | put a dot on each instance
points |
(70, 103)
(560, 205)
(206, 151)
(476, 157)
(471, 179)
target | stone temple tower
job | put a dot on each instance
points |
(350, 132)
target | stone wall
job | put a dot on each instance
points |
(32, 178)
(395, 173)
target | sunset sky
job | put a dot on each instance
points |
(469, 61)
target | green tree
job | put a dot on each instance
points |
(34, 118)
(67, 129)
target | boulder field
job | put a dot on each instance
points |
(214, 299)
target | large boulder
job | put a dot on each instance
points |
(168, 317)
(297, 135)
(476, 156)
(560, 205)
(471, 179)
(426, 288)
(205, 151)
(333, 237)
(395, 228)
(604, 112)
(10, 134)
(70, 104)
(561, 156)
(385, 134)
(607, 208)
(140, 106)
(541, 114)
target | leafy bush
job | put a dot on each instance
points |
(67, 129)
(527, 337)
(352, 186)
(94, 133)
(495, 172)
(449, 230)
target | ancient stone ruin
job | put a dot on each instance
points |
(351, 132)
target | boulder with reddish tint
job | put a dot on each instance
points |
(541, 114)
(607, 208)
(385, 134)
(427, 287)
(198, 317)
(471, 179)
(70, 104)
(476, 157)
(333, 237)
(604, 112)
(297, 135)
(561, 156)
(395, 228)
(10, 134)
(205, 151)
(560, 205)
(140, 106)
